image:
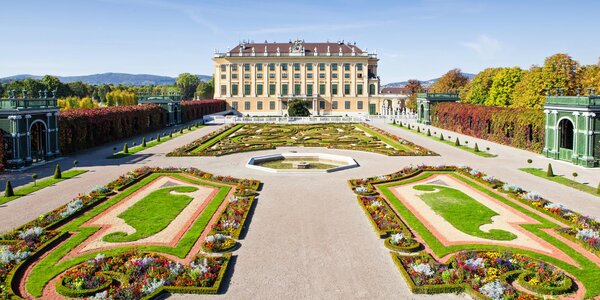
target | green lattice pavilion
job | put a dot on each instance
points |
(170, 102)
(425, 101)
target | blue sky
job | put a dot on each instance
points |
(414, 39)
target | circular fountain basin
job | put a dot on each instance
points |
(301, 163)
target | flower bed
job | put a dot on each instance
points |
(488, 274)
(382, 217)
(145, 273)
(401, 243)
(218, 243)
(34, 237)
(252, 137)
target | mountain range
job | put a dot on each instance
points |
(110, 78)
(424, 82)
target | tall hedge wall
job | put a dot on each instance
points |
(84, 128)
(196, 109)
(520, 128)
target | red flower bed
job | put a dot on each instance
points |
(520, 128)
(196, 109)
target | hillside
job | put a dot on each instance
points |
(424, 82)
(110, 78)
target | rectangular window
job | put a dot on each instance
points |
(346, 89)
(334, 105)
(296, 67)
(234, 105)
(309, 75)
(283, 75)
(271, 89)
(346, 67)
(321, 89)
(272, 75)
(297, 75)
(272, 105)
(259, 105)
(334, 67)
(359, 89)
(309, 89)
(223, 76)
(233, 76)
(284, 105)
(346, 104)
(234, 67)
(259, 76)
(334, 90)
(359, 67)
(247, 75)
(284, 67)
(234, 89)
(246, 67)
(223, 68)
(247, 105)
(321, 104)
(347, 75)
(308, 104)
(359, 75)
(246, 89)
(223, 90)
(359, 105)
(322, 75)
(284, 89)
(309, 67)
(258, 67)
(259, 89)
(334, 75)
(296, 89)
(322, 67)
(271, 67)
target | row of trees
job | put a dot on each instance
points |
(188, 85)
(515, 87)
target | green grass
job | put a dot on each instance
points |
(397, 145)
(49, 267)
(462, 211)
(153, 213)
(562, 180)
(217, 138)
(587, 272)
(40, 184)
(138, 148)
(462, 147)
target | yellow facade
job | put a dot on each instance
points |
(260, 79)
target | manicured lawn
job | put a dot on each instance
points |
(49, 266)
(450, 143)
(153, 213)
(587, 272)
(149, 144)
(40, 184)
(462, 211)
(562, 180)
(217, 138)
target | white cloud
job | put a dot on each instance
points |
(485, 46)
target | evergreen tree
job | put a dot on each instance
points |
(550, 172)
(8, 191)
(441, 136)
(125, 148)
(57, 172)
(457, 142)
(158, 137)
(428, 132)
(476, 149)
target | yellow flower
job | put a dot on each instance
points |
(534, 281)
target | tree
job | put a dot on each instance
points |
(414, 86)
(144, 142)
(589, 77)
(205, 90)
(530, 92)
(477, 92)
(503, 87)
(78, 89)
(549, 171)
(476, 148)
(297, 108)
(57, 172)
(187, 84)
(453, 80)
(52, 83)
(87, 102)
(560, 71)
(125, 148)
(34, 176)
(8, 191)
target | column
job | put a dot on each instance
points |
(56, 148)
(48, 151)
(28, 136)
(556, 150)
(546, 131)
(575, 154)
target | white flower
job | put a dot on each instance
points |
(587, 234)
(474, 172)
(100, 296)
(489, 178)
(7, 256)
(72, 208)
(493, 290)
(511, 188)
(555, 205)
(152, 285)
(361, 189)
(423, 269)
(474, 263)
(376, 203)
(531, 196)
(200, 267)
(34, 231)
(397, 238)
(175, 268)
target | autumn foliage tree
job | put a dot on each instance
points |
(479, 87)
(453, 80)
(414, 86)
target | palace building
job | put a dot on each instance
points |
(333, 78)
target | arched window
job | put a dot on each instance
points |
(565, 127)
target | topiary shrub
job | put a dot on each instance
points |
(575, 174)
(8, 191)
(529, 161)
(34, 176)
(549, 171)
(598, 189)
(144, 142)
(441, 137)
(297, 108)
(418, 129)
(457, 142)
(428, 132)
(476, 148)
(125, 148)
(76, 162)
(158, 137)
(57, 172)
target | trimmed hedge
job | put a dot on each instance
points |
(520, 128)
(559, 290)
(196, 109)
(73, 293)
(414, 247)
